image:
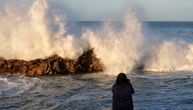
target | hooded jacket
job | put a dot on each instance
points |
(122, 96)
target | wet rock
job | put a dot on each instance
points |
(86, 63)
(51, 66)
(36, 70)
(3, 63)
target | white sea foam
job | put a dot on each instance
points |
(14, 86)
(119, 51)
(39, 32)
(28, 36)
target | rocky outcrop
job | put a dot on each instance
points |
(86, 63)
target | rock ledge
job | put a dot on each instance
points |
(86, 63)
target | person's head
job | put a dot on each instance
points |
(122, 79)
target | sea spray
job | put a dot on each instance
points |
(119, 51)
(22, 35)
(171, 56)
(32, 37)
(40, 32)
(29, 36)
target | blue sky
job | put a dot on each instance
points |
(156, 10)
(160, 10)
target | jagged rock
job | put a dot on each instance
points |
(36, 70)
(88, 62)
(3, 63)
(52, 65)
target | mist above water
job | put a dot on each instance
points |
(40, 32)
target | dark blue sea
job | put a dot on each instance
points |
(168, 88)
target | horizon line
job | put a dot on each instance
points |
(123, 21)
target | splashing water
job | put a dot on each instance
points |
(119, 51)
(40, 32)
(29, 35)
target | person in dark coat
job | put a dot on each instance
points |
(122, 93)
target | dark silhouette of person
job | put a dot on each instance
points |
(122, 93)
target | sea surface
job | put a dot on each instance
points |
(153, 90)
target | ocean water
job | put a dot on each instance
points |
(163, 49)
(171, 90)
(93, 92)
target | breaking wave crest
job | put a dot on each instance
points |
(40, 32)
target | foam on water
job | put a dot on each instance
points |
(13, 86)
(40, 32)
